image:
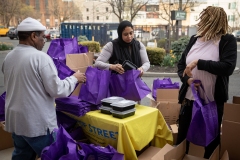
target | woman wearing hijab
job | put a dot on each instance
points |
(125, 47)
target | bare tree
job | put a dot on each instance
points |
(166, 6)
(126, 7)
(8, 9)
(64, 10)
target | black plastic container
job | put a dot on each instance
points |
(106, 102)
(105, 110)
(128, 65)
(123, 105)
(124, 114)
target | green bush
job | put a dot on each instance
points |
(169, 60)
(161, 43)
(179, 46)
(92, 46)
(155, 55)
(82, 38)
(5, 46)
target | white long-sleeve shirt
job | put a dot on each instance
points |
(32, 84)
(106, 53)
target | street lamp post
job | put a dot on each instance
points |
(178, 22)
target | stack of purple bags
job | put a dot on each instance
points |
(74, 106)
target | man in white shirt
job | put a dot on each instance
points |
(32, 84)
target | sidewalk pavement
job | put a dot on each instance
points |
(164, 74)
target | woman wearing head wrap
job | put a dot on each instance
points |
(125, 47)
(210, 56)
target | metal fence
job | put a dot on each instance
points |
(105, 32)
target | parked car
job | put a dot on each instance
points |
(236, 34)
(12, 33)
(3, 30)
(54, 35)
(48, 34)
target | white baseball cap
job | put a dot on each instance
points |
(30, 24)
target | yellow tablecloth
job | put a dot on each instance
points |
(128, 134)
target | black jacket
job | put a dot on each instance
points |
(223, 68)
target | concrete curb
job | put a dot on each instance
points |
(156, 74)
(164, 74)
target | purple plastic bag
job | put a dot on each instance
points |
(165, 83)
(100, 153)
(62, 46)
(64, 148)
(128, 85)
(65, 121)
(96, 86)
(82, 49)
(63, 70)
(203, 128)
(2, 106)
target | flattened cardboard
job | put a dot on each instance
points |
(79, 62)
(149, 153)
(6, 140)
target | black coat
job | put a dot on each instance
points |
(223, 68)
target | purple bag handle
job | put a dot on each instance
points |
(196, 95)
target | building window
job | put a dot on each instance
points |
(106, 9)
(46, 3)
(87, 18)
(106, 17)
(27, 2)
(97, 9)
(231, 17)
(196, 18)
(232, 5)
(97, 17)
(37, 5)
(87, 9)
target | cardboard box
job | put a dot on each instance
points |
(231, 129)
(6, 140)
(169, 152)
(167, 103)
(174, 130)
(179, 153)
(149, 153)
(79, 62)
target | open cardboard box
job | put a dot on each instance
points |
(167, 103)
(6, 140)
(79, 61)
(169, 152)
(230, 140)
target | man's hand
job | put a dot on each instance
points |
(117, 67)
(80, 77)
(189, 68)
